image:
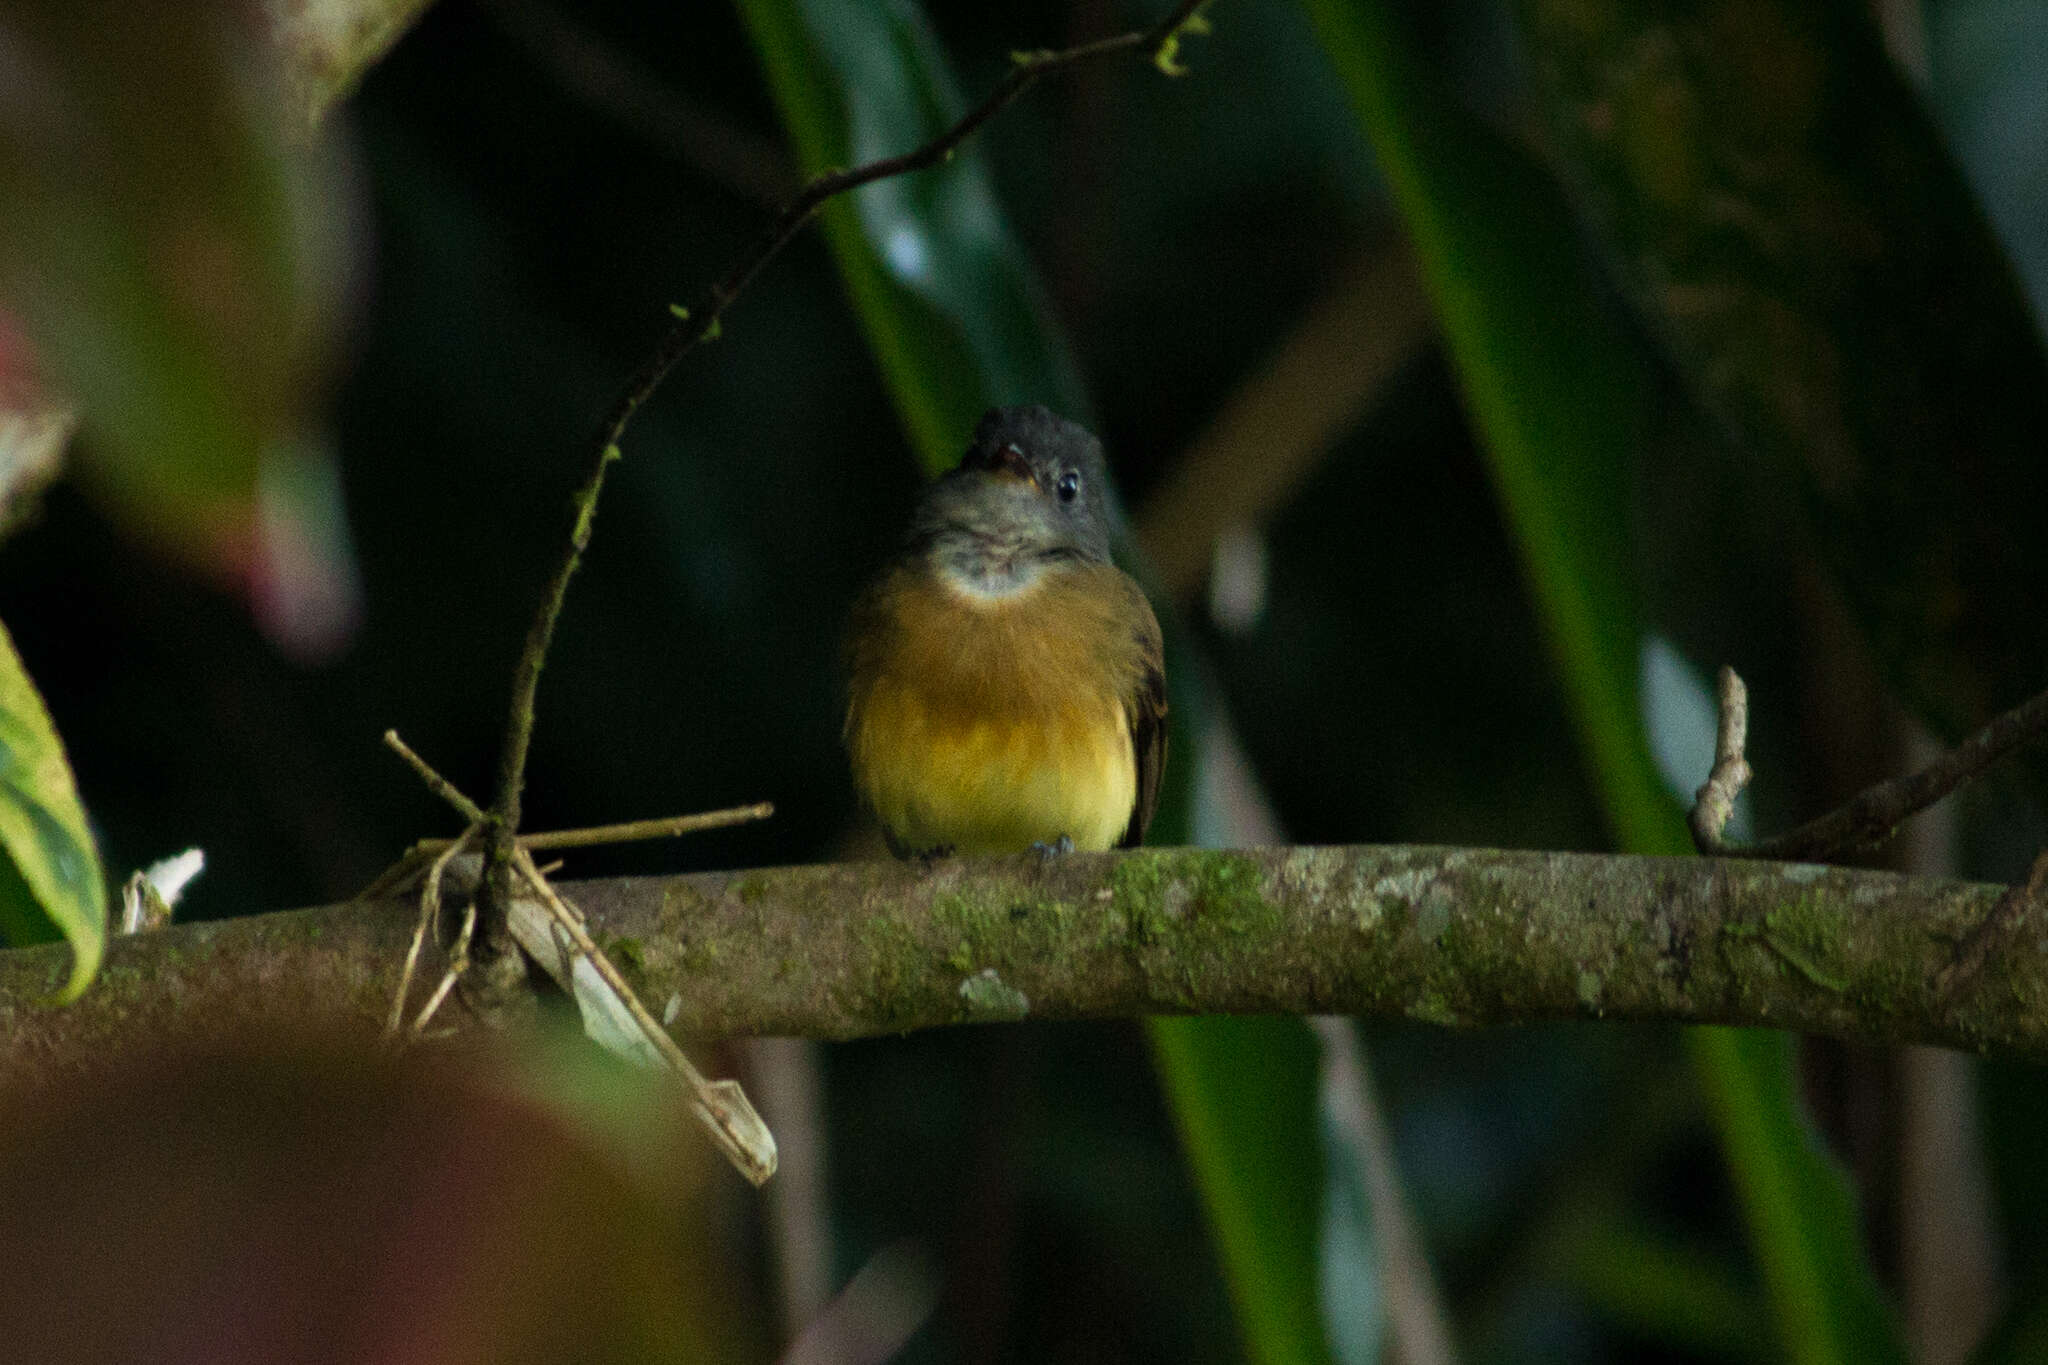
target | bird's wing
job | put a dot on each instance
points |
(1146, 707)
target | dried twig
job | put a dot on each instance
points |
(1995, 929)
(437, 784)
(430, 914)
(401, 873)
(458, 963)
(667, 827)
(721, 1106)
(1714, 803)
(1873, 814)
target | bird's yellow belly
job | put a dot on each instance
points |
(990, 727)
(994, 784)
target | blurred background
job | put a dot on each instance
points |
(1478, 377)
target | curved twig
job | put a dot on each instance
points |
(1874, 813)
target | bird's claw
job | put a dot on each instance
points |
(1058, 848)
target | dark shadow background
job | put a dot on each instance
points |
(529, 233)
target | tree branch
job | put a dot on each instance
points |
(1460, 937)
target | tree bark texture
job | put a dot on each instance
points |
(1451, 936)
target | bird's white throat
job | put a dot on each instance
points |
(990, 578)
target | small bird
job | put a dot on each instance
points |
(1008, 684)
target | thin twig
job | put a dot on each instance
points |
(665, 828)
(430, 912)
(702, 322)
(458, 963)
(1996, 928)
(401, 874)
(1714, 803)
(437, 784)
(1873, 814)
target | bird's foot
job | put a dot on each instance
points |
(1058, 848)
(905, 853)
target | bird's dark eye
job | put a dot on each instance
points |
(1069, 486)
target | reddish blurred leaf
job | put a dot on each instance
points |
(172, 253)
(35, 427)
(303, 582)
(308, 1197)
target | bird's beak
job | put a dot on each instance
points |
(1010, 463)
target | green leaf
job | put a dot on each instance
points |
(952, 310)
(958, 323)
(1788, 219)
(1673, 1294)
(1560, 395)
(172, 254)
(50, 885)
(1796, 1198)
(1244, 1096)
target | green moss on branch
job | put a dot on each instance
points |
(1462, 937)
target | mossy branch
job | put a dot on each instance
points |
(1460, 937)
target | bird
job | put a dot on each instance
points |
(1007, 681)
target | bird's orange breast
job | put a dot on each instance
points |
(991, 724)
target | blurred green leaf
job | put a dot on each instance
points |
(51, 884)
(1562, 399)
(1244, 1096)
(171, 253)
(958, 322)
(1802, 1216)
(1789, 220)
(1672, 1294)
(952, 310)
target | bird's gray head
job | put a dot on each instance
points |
(1031, 490)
